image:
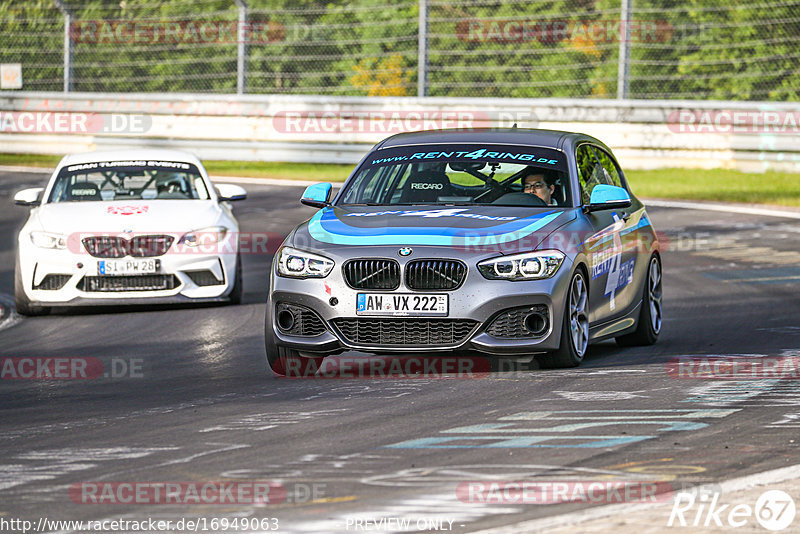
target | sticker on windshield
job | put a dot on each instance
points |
(540, 156)
(482, 154)
(452, 212)
(129, 163)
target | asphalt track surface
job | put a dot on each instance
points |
(204, 407)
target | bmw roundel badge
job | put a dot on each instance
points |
(405, 251)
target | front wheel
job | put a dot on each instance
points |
(21, 301)
(651, 315)
(235, 296)
(575, 327)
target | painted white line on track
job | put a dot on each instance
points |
(726, 208)
(774, 476)
(8, 315)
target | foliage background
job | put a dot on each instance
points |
(704, 49)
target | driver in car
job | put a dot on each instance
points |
(540, 184)
(172, 187)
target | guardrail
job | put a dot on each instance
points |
(644, 134)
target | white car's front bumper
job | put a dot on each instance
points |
(63, 278)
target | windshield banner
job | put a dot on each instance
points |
(526, 155)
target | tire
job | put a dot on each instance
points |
(21, 301)
(574, 328)
(235, 296)
(650, 320)
(288, 362)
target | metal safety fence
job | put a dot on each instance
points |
(638, 49)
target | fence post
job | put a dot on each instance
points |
(422, 50)
(241, 55)
(67, 44)
(623, 70)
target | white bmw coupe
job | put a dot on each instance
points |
(127, 227)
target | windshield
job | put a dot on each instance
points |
(128, 180)
(500, 175)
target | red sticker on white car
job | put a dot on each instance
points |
(127, 210)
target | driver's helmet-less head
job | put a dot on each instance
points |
(172, 184)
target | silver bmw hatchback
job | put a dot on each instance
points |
(502, 242)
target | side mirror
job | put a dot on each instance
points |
(28, 197)
(317, 195)
(230, 192)
(608, 197)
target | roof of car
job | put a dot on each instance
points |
(150, 154)
(514, 136)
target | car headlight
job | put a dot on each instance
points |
(300, 264)
(48, 240)
(203, 236)
(526, 266)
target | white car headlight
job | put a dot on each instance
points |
(526, 266)
(203, 236)
(48, 240)
(299, 264)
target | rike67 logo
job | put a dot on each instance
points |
(774, 510)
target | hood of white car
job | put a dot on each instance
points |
(135, 216)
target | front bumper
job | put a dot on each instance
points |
(85, 285)
(477, 299)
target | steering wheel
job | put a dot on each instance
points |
(521, 199)
(498, 188)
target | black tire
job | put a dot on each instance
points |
(576, 315)
(235, 296)
(648, 327)
(21, 301)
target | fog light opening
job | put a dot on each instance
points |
(285, 320)
(536, 323)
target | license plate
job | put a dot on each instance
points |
(401, 304)
(121, 267)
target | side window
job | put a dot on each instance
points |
(610, 168)
(590, 172)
